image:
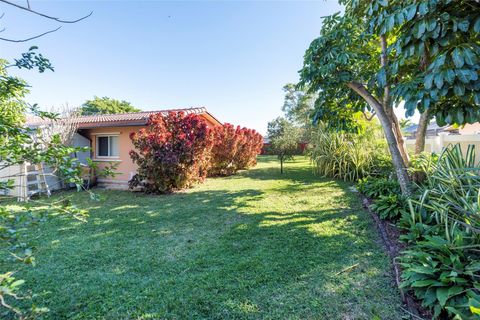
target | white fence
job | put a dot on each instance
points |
(436, 144)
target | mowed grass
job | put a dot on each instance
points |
(258, 245)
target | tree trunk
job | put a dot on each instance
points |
(400, 140)
(420, 176)
(281, 165)
(422, 131)
(387, 106)
(393, 144)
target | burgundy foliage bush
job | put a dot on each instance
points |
(250, 146)
(234, 149)
(178, 150)
(226, 142)
(172, 153)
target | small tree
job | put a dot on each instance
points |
(65, 126)
(284, 137)
(106, 105)
(172, 153)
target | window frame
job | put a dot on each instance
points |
(97, 156)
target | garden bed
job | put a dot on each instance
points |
(390, 235)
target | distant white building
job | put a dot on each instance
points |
(433, 130)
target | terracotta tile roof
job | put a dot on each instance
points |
(122, 119)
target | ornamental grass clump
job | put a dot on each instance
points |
(350, 156)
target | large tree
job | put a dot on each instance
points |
(106, 105)
(381, 53)
(27, 7)
(298, 106)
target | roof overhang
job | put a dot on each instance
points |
(123, 120)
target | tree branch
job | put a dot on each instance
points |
(31, 38)
(44, 15)
(387, 102)
(384, 63)
(367, 96)
(392, 141)
(367, 117)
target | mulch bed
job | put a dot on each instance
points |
(390, 235)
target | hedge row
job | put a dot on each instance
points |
(178, 150)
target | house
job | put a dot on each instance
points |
(466, 129)
(433, 130)
(109, 139)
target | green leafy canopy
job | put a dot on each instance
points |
(284, 138)
(433, 54)
(106, 105)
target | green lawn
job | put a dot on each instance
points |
(258, 245)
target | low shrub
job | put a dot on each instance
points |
(377, 187)
(172, 153)
(442, 263)
(350, 156)
(390, 207)
(444, 275)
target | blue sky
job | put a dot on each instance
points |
(231, 57)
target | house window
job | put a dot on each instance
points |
(107, 146)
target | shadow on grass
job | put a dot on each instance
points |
(217, 254)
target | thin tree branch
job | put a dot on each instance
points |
(387, 101)
(360, 89)
(31, 38)
(367, 117)
(44, 15)
(384, 63)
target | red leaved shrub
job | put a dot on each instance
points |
(249, 147)
(172, 153)
(234, 149)
(226, 142)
